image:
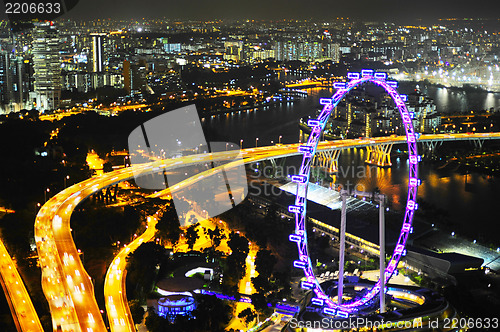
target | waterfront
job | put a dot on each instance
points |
(458, 203)
(453, 100)
(270, 122)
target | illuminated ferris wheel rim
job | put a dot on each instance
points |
(302, 179)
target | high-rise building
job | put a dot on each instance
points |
(127, 76)
(306, 50)
(261, 54)
(47, 66)
(98, 52)
(332, 52)
(170, 47)
(234, 50)
(98, 76)
(13, 81)
(134, 77)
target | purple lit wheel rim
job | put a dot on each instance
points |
(309, 150)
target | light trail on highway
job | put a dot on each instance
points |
(117, 309)
(65, 282)
(23, 312)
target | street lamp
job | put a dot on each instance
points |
(241, 144)
(45, 194)
(256, 141)
(280, 139)
(66, 178)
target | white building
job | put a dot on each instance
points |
(47, 66)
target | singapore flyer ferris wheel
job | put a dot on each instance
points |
(322, 299)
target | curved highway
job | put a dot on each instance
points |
(20, 304)
(118, 311)
(65, 282)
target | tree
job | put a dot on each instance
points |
(248, 315)
(212, 253)
(211, 314)
(234, 264)
(264, 263)
(154, 322)
(281, 282)
(239, 252)
(259, 301)
(137, 311)
(141, 267)
(168, 225)
(107, 167)
(260, 283)
(192, 236)
(216, 235)
(238, 245)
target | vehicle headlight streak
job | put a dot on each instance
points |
(302, 179)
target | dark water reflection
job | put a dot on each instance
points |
(468, 200)
(450, 100)
(470, 207)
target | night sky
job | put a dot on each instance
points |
(395, 10)
(399, 11)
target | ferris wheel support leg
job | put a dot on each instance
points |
(379, 155)
(382, 250)
(334, 161)
(340, 285)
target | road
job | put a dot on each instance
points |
(114, 287)
(5, 210)
(245, 287)
(65, 282)
(20, 304)
(95, 163)
(118, 311)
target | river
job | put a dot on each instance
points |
(472, 211)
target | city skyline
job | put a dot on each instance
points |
(234, 174)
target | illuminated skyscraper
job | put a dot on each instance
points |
(234, 50)
(306, 50)
(332, 52)
(170, 47)
(13, 82)
(134, 77)
(47, 66)
(127, 76)
(98, 52)
(98, 75)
